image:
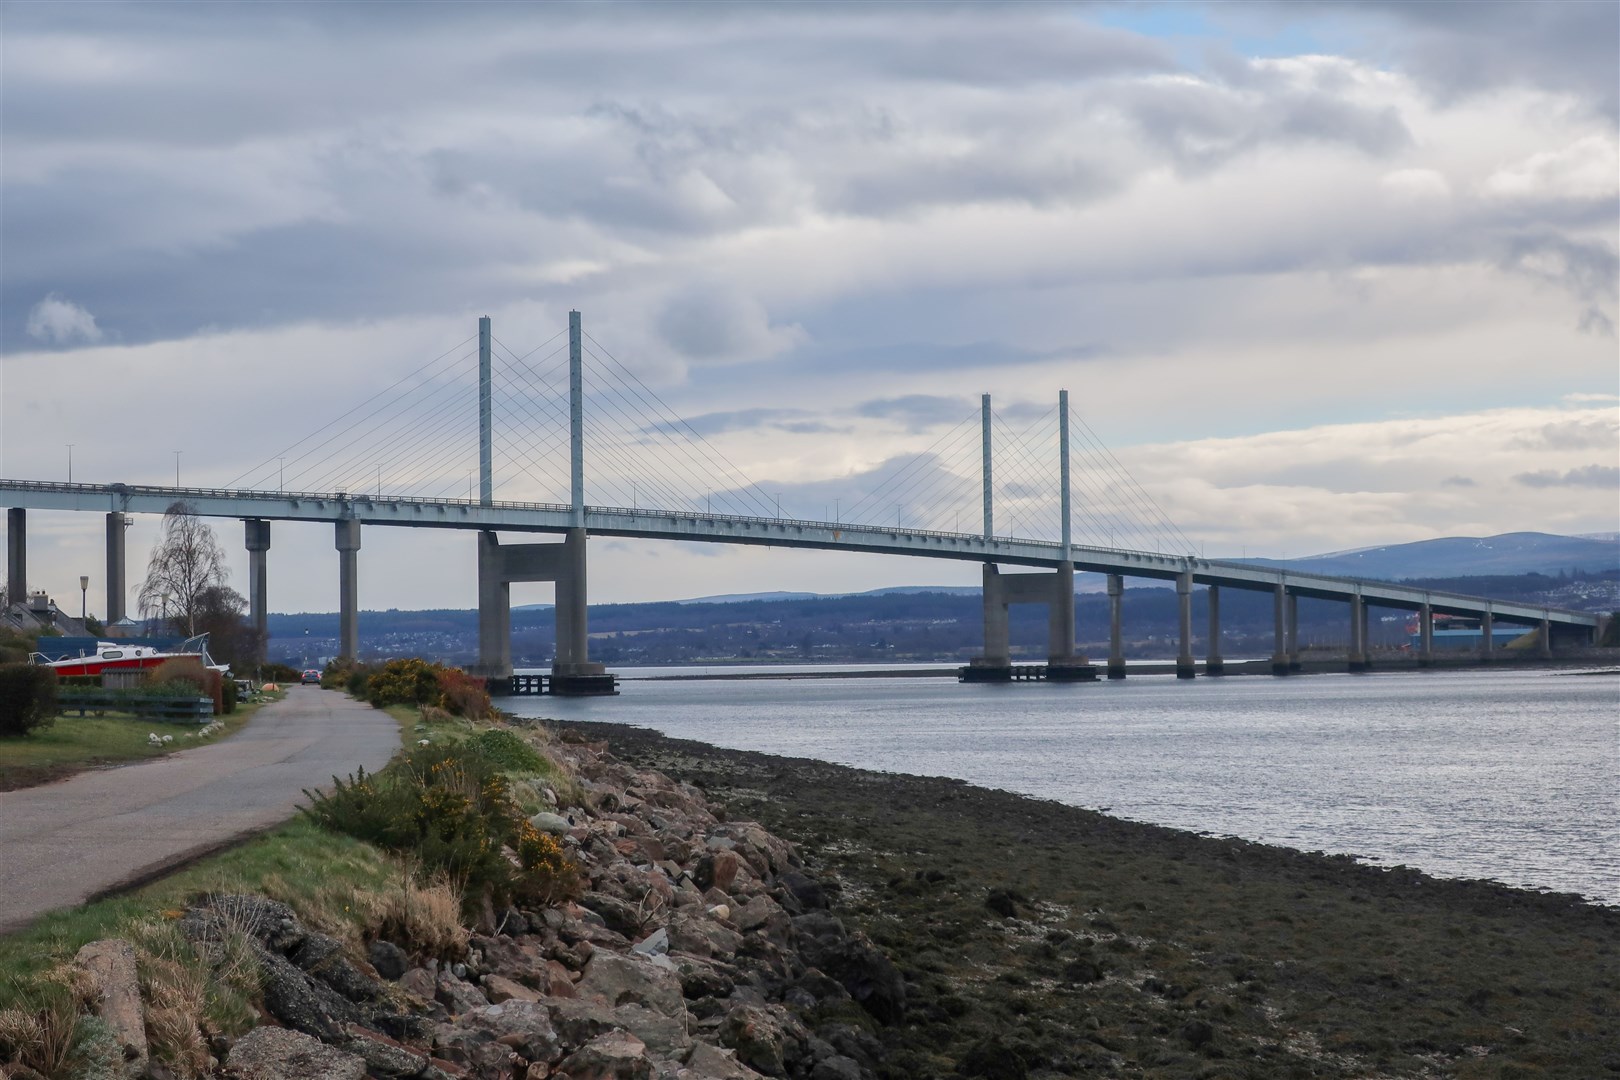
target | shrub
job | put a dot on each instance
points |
(464, 695)
(404, 682)
(508, 751)
(280, 673)
(451, 810)
(27, 698)
(208, 682)
(229, 694)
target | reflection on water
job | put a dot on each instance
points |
(1513, 776)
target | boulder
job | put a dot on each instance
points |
(457, 995)
(270, 1053)
(555, 824)
(498, 988)
(869, 976)
(301, 1002)
(664, 1035)
(717, 870)
(806, 890)
(714, 1063)
(388, 959)
(384, 1057)
(622, 980)
(617, 1055)
(419, 981)
(324, 958)
(617, 915)
(111, 963)
(525, 1026)
(757, 1037)
(654, 944)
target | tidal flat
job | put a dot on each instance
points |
(1043, 940)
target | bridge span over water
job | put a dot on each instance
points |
(1049, 578)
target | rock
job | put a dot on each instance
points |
(713, 1063)
(702, 936)
(757, 1037)
(654, 944)
(419, 981)
(471, 1050)
(118, 997)
(1003, 902)
(664, 1035)
(1196, 1033)
(806, 890)
(324, 958)
(869, 976)
(617, 1055)
(499, 988)
(383, 1056)
(555, 824)
(269, 922)
(525, 1026)
(457, 995)
(616, 914)
(838, 1067)
(389, 959)
(717, 869)
(270, 1053)
(621, 980)
(301, 1002)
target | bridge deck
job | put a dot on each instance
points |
(771, 532)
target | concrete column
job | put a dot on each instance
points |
(348, 546)
(1358, 634)
(258, 544)
(1213, 664)
(17, 555)
(576, 422)
(573, 633)
(984, 450)
(117, 584)
(494, 610)
(486, 421)
(1425, 635)
(1060, 617)
(1293, 632)
(1185, 668)
(1279, 630)
(1544, 639)
(1366, 633)
(997, 635)
(1487, 643)
(1116, 626)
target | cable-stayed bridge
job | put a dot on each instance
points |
(486, 439)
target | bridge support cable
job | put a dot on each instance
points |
(1134, 491)
(260, 474)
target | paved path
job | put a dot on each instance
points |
(63, 843)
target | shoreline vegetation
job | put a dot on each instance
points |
(979, 933)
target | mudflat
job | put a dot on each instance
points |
(1041, 940)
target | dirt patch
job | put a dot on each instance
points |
(1041, 940)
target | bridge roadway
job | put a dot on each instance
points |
(334, 507)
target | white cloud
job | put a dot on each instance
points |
(1588, 168)
(60, 321)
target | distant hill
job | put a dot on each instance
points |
(1465, 556)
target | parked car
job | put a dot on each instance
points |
(312, 676)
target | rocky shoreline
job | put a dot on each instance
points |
(741, 915)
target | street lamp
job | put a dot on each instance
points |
(84, 594)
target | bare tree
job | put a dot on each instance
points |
(186, 564)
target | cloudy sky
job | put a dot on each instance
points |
(1320, 276)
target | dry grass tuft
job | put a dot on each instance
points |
(426, 917)
(51, 1033)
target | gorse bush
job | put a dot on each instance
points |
(27, 698)
(450, 809)
(404, 682)
(464, 695)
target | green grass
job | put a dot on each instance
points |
(75, 743)
(317, 872)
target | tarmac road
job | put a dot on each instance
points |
(63, 843)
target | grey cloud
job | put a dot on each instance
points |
(1572, 435)
(1589, 271)
(918, 411)
(1458, 481)
(714, 423)
(1594, 476)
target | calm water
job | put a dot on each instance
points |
(1513, 776)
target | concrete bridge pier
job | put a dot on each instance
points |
(1185, 666)
(258, 545)
(572, 671)
(1279, 630)
(1425, 636)
(1056, 590)
(17, 555)
(1116, 626)
(1213, 664)
(348, 547)
(1358, 634)
(1293, 632)
(1487, 641)
(117, 586)
(1544, 639)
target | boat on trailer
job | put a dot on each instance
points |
(112, 656)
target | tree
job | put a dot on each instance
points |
(186, 563)
(231, 638)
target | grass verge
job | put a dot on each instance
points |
(76, 743)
